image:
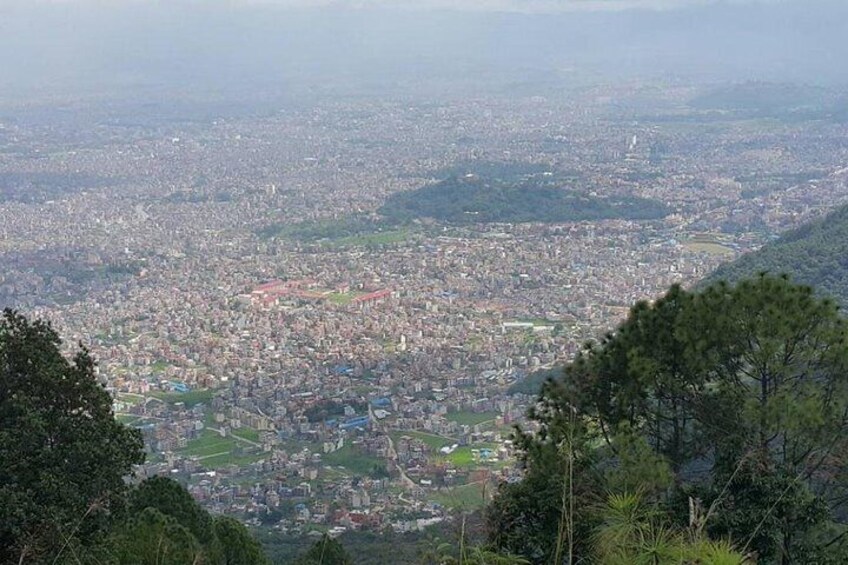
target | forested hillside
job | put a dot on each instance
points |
(472, 198)
(815, 254)
(710, 427)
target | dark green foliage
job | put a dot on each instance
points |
(238, 546)
(814, 254)
(153, 538)
(736, 396)
(325, 551)
(63, 457)
(642, 378)
(337, 228)
(63, 494)
(767, 510)
(38, 187)
(379, 472)
(531, 384)
(218, 540)
(327, 409)
(172, 500)
(364, 547)
(633, 532)
(470, 200)
(525, 517)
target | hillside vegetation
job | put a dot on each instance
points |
(476, 199)
(815, 254)
(67, 493)
(709, 427)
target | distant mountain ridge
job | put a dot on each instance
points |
(815, 254)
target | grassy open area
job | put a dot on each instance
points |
(224, 459)
(539, 322)
(377, 238)
(467, 418)
(342, 298)
(209, 443)
(216, 451)
(128, 398)
(352, 459)
(434, 441)
(247, 433)
(465, 497)
(710, 247)
(363, 390)
(463, 456)
(159, 366)
(190, 399)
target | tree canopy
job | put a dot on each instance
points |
(813, 254)
(472, 199)
(64, 457)
(725, 410)
(325, 551)
(64, 465)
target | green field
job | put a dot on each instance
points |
(224, 459)
(370, 239)
(352, 459)
(190, 399)
(434, 441)
(466, 497)
(209, 443)
(342, 298)
(127, 398)
(246, 433)
(539, 321)
(159, 366)
(216, 451)
(466, 418)
(127, 419)
(710, 247)
(463, 457)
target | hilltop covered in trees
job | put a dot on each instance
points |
(533, 198)
(814, 254)
(477, 192)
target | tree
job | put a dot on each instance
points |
(547, 513)
(735, 396)
(776, 412)
(632, 532)
(159, 506)
(238, 547)
(325, 551)
(63, 457)
(152, 538)
(641, 377)
(170, 499)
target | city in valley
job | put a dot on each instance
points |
(303, 355)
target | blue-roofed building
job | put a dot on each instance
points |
(358, 422)
(178, 387)
(342, 369)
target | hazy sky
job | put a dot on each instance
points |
(65, 46)
(457, 5)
